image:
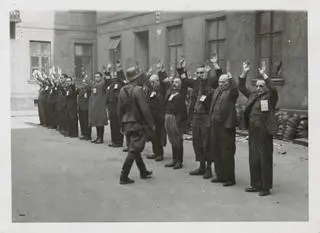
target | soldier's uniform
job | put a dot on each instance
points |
(84, 93)
(135, 116)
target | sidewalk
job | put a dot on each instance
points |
(24, 113)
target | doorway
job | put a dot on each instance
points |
(142, 49)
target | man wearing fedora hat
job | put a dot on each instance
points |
(135, 117)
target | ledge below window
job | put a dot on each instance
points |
(32, 81)
(276, 81)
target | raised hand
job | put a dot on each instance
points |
(245, 68)
(262, 70)
(214, 58)
(229, 70)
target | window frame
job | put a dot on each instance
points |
(175, 45)
(40, 57)
(91, 45)
(271, 34)
(112, 52)
(217, 40)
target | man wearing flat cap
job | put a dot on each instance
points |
(136, 119)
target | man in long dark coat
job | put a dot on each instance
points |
(135, 117)
(260, 119)
(71, 108)
(222, 143)
(203, 89)
(52, 100)
(98, 107)
(116, 84)
(84, 92)
(156, 104)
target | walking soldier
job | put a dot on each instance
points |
(136, 119)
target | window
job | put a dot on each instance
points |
(40, 56)
(12, 30)
(175, 42)
(82, 60)
(269, 41)
(115, 49)
(216, 38)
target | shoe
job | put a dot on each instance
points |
(208, 173)
(264, 193)
(88, 139)
(151, 156)
(172, 164)
(114, 145)
(216, 180)
(178, 165)
(94, 141)
(197, 172)
(126, 149)
(252, 190)
(99, 141)
(146, 175)
(229, 183)
(126, 180)
(159, 158)
(83, 138)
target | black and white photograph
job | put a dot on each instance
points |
(159, 116)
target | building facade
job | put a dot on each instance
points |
(94, 39)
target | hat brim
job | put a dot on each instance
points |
(134, 77)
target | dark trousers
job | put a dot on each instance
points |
(40, 113)
(200, 136)
(52, 114)
(116, 136)
(84, 123)
(100, 132)
(175, 135)
(136, 142)
(157, 140)
(72, 122)
(222, 151)
(260, 157)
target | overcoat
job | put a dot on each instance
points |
(98, 105)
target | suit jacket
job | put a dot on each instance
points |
(226, 106)
(269, 118)
(177, 106)
(71, 98)
(84, 93)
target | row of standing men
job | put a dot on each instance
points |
(212, 111)
(213, 117)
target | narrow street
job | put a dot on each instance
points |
(59, 179)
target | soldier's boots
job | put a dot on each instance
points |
(146, 174)
(126, 180)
